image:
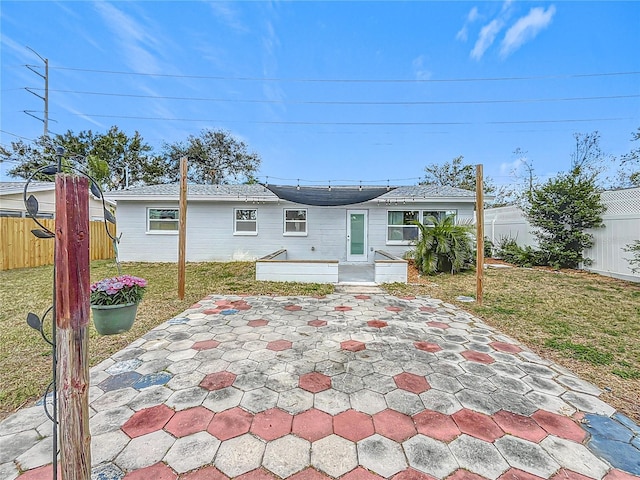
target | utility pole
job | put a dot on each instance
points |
(45, 120)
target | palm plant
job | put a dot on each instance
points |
(443, 245)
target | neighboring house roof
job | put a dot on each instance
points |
(171, 192)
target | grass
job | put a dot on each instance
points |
(585, 322)
(25, 359)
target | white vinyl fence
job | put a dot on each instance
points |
(622, 227)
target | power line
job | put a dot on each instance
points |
(339, 102)
(345, 80)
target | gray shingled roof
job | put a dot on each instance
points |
(8, 188)
(173, 190)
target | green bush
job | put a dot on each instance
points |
(509, 251)
(634, 261)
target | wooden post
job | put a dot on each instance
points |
(72, 324)
(182, 225)
(479, 234)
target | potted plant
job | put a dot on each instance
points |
(114, 303)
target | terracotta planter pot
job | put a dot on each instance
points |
(113, 319)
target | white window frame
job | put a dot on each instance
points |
(401, 242)
(442, 214)
(162, 232)
(236, 221)
(285, 221)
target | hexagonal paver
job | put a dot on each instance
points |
(147, 420)
(223, 399)
(393, 309)
(560, 426)
(293, 308)
(436, 425)
(526, 456)
(411, 383)
(218, 380)
(574, 457)
(259, 400)
(317, 323)
(315, 382)
(430, 456)
(478, 456)
(368, 401)
(331, 401)
(517, 474)
(145, 450)
(506, 347)
(381, 455)
(271, 424)
(312, 425)
(240, 455)
(394, 425)
(189, 421)
(334, 455)
(428, 346)
(279, 345)
(205, 345)
(377, 323)
(411, 474)
(353, 425)
(467, 475)
(295, 401)
(352, 345)
(477, 425)
(157, 471)
(438, 325)
(519, 426)
(206, 473)
(342, 308)
(257, 323)
(191, 452)
(230, 423)
(287, 455)
(478, 357)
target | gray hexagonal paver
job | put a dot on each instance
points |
(367, 401)
(105, 447)
(259, 400)
(403, 401)
(430, 456)
(239, 455)
(287, 455)
(295, 401)
(145, 450)
(192, 451)
(331, 401)
(574, 456)
(526, 456)
(334, 455)
(381, 455)
(478, 456)
(187, 398)
(442, 402)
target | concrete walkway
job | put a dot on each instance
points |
(348, 386)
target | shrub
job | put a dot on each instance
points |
(634, 249)
(509, 251)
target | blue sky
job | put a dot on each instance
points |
(357, 91)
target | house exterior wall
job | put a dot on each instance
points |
(210, 231)
(13, 202)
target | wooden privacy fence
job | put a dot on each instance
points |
(19, 248)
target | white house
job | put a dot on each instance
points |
(247, 222)
(12, 200)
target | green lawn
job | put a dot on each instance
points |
(588, 323)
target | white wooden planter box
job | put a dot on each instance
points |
(389, 268)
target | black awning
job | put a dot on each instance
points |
(325, 196)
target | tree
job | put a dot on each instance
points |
(455, 174)
(629, 172)
(564, 207)
(113, 159)
(215, 157)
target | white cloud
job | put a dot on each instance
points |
(472, 16)
(226, 12)
(486, 38)
(419, 68)
(526, 29)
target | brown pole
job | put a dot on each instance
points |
(72, 320)
(479, 234)
(182, 225)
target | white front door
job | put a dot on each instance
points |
(357, 235)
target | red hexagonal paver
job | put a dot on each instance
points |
(505, 347)
(353, 425)
(438, 325)
(465, 475)
(411, 474)
(428, 346)
(360, 473)
(293, 308)
(407, 297)
(309, 474)
(147, 420)
(205, 345)
(519, 426)
(189, 421)
(377, 323)
(241, 305)
(342, 308)
(564, 474)
(352, 345)
(314, 382)
(394, 425)
(258, 323)
(41, 473)
(563, 427)
(411, 382)
(317, 323)
(271, 424)
(616, 474)
(477, 425)
(428, 309)
(218, 380)
(312, 425)
(157, 471)
(516, 474)
(230, 423)
(477, 357)
(257, 474)
(362, 297)
(436, 425)
(393, 309)
(279, 345)
(212, 311)
(206, 473)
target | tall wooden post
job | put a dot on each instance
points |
(182, 225)
(72, 321)
(479, 234)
